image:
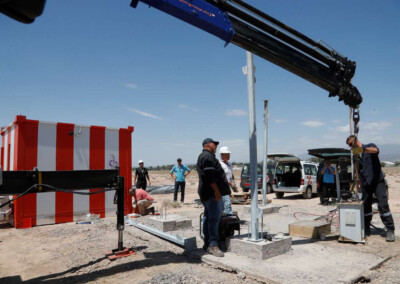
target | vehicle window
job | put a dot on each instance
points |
(279, 170)
(246, 169)
(286, 169)
(307, 169)
(314, 170)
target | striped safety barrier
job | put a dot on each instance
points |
(49, 146)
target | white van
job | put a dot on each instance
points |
(293, 175)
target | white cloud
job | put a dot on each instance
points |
(345, 128)
(280, 120)
(336, 121)
(145, 113)
(312, 123)
(236, 112)
(130, 85)
(188, 107)
(377, 126)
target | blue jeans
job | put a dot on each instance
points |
(212, 216)
(226, 200)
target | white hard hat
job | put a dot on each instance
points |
(224, 150)
(140, 161)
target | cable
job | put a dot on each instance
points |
(76, 192)
(22, 194)
(59, 190)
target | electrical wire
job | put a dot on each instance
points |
(22, 194)
(54, 188)
(75, 191)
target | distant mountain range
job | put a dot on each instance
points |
(388, 152)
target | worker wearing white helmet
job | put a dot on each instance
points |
(228, 169)
(141, 174)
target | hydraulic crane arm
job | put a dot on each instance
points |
(237, 22)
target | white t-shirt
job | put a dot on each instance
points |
(228, 169)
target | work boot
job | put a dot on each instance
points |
(215, 251)
(390, 236)
(367, 231)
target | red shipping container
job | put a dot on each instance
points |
(49, 146)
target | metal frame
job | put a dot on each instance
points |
(17, 182)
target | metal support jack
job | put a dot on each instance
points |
(121, 251)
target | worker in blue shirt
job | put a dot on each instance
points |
(178, 174)
(328, 182)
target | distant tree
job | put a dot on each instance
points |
(315, 160)
(383, 164)
(397, 163)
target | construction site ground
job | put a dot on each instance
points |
(75, 253)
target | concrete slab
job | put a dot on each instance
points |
(171, 223)
(304, 263)
(259, 250)
(267, 209)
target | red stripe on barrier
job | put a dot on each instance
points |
(8, 148)
(25, 159)
(2, 150)
(64, 162)
(97, 202)
(125, 163)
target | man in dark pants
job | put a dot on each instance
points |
(328, 182)
(140, 176)
(212, 186)
(372, 181)
(179, 173)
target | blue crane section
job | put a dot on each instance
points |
(198, 13)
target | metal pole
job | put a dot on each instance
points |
(265, 172)
(253, 147)
(351, 124)
(120, 212)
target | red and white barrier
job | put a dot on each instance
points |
(62, 146)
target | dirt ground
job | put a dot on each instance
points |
(72, 253)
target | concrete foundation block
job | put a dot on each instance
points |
(267, 209)
(260, 250)
(171, 223)
(310, 229)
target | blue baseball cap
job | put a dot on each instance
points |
(208, 140)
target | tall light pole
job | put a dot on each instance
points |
(265, 153)
(249, 71)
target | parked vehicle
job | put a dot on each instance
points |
(341, 159)
(245, 183)
(292, 175)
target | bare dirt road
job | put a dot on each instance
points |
(72, 253)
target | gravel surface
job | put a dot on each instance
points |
(72, 253)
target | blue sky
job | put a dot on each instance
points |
(104, 63)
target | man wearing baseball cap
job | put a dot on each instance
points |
(212, 186)
(141, 174)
